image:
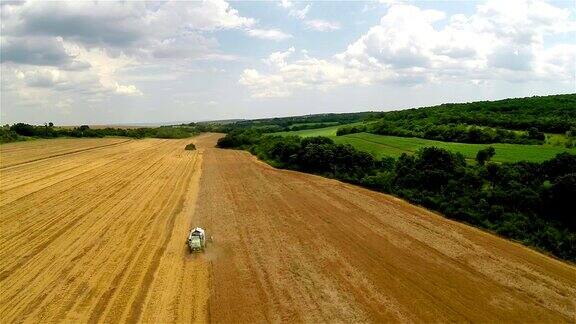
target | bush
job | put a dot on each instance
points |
(23, 129)
(190, 147)
(485, 155)
(350, 130)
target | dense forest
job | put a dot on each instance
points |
(528, 202)
(553, 114)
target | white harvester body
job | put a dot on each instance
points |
(197, 239)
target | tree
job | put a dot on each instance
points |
(23, 129)
(317, 157)
(561, 202)
(316, 140)
(485, 155)
(534, 133)
(561, 164)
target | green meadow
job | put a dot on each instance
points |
(381, 145)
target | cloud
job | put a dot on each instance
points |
(184, 46)
(412, 46)
(299, 13)
(285, 4)
(35, 51)
(499, 39)
(322, 25)
(305, 73)
(42, 78)
(130, 90)
(519, 58)
(82, 47)
(268, 34)
(263, 86)
(278, 59)
(402, 39)
(122, 25)
(293, 11)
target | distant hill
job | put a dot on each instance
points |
(554, 114)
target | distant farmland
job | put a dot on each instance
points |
(381, 145)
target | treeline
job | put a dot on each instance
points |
(528, 202)
(21, 131)
(553, 114)
(447, 133)
(298, 127)
(516, 121)
(283, 124)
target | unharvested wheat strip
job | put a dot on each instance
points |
(138, 227)
(73, 206)
(172, 279)
(51, 149)
(34, 181)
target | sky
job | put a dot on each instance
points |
(127, 62)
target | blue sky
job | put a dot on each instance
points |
(137, 62)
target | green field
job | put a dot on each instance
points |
(380, 145)
(325, 124)
(325, 131)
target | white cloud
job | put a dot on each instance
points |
(500, 41)
(130, 90)
(322, 25)
(268, 34)
(184, 46)
(278, 59)
(293, 11)
(263, 86)
(285, 4)
(299, 13)
(403, 38)
(305, 73)
(42, 78)
(82, 47)
(111, 24)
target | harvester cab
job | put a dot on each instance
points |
(197, 239)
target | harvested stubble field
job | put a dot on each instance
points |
(99, 235)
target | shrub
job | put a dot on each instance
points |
(485, 155)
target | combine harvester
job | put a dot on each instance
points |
(197, 239)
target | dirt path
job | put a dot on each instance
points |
(99, 236)
(296, 247)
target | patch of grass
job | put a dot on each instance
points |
(311, 125)
(394, 146)
(382, 145)
(325, 131)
